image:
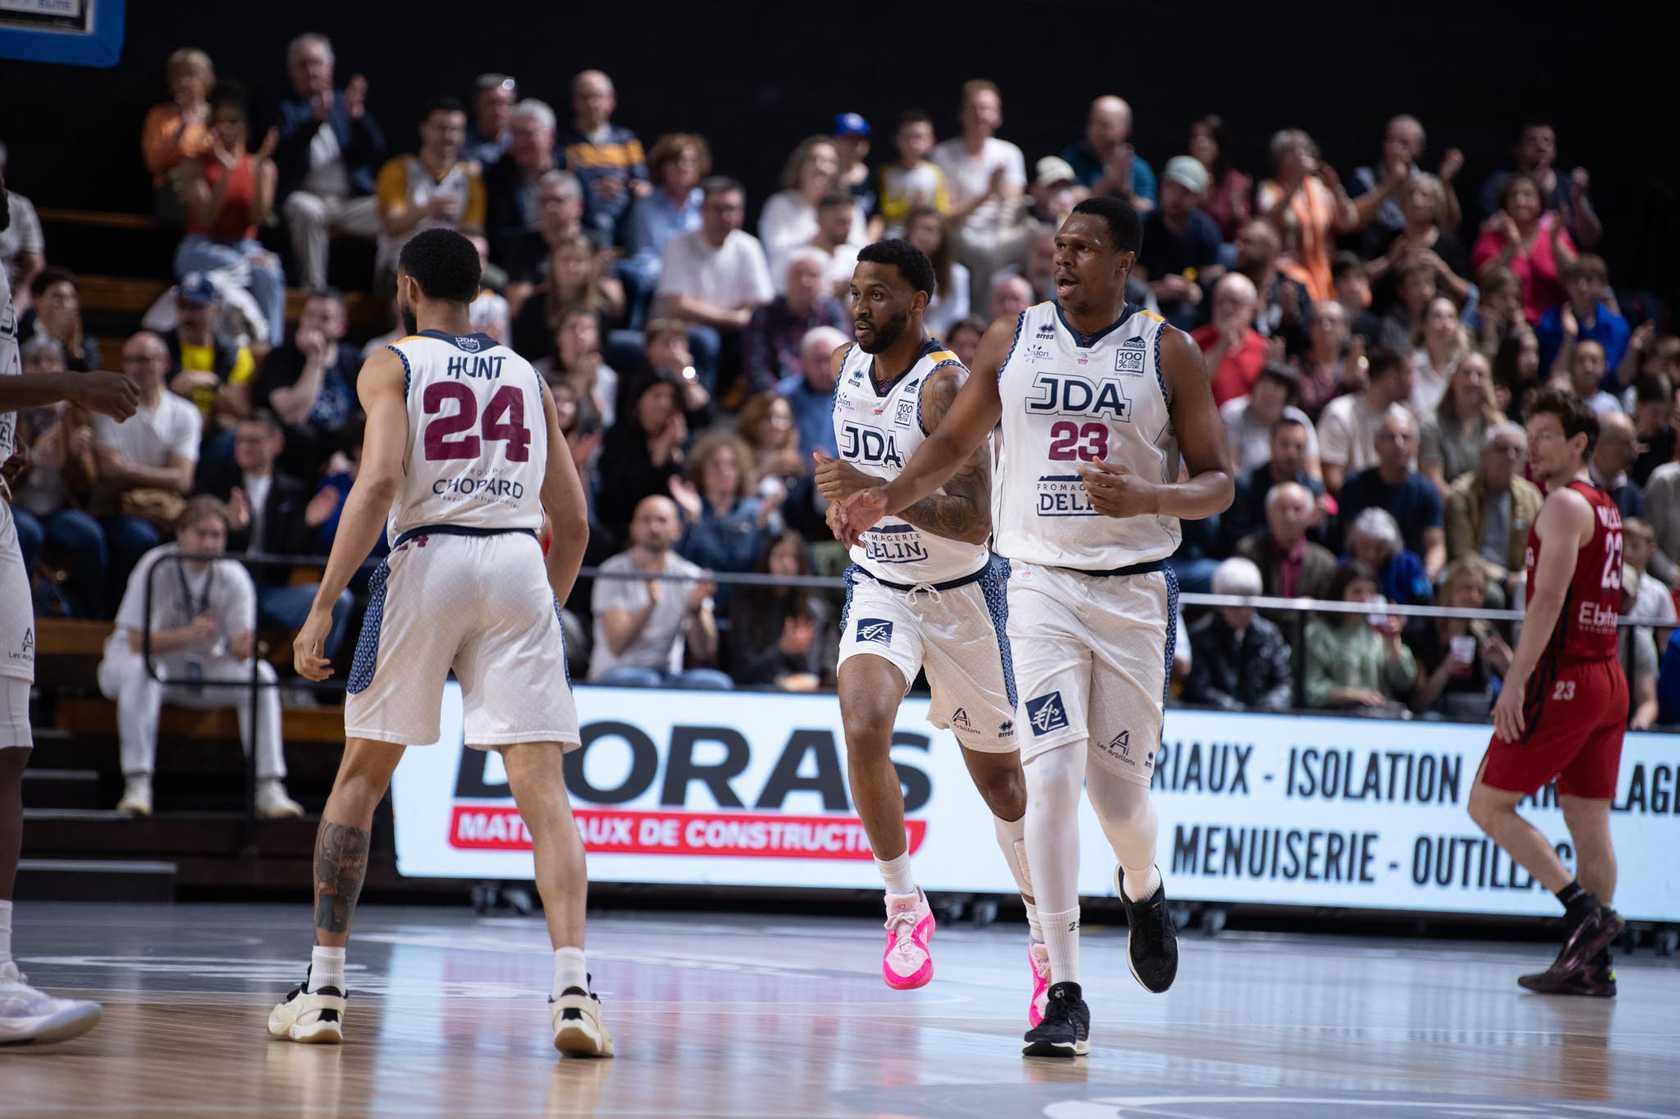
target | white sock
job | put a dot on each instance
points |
(5, 932)
(896, 874)
(1012, 841)
(570, 970)
(326, 968)
(1061, 938)
(1140, 885)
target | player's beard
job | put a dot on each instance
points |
(410, 321)
(887, 333)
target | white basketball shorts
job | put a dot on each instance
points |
(958, 634)
(17, 637)
(480, 605)
(1091, 662)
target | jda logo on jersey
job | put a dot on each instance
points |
(865, 444)
(1073, 394)
(1047, 713)
(878, 630)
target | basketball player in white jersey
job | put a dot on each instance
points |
(1099, 402)
(463, 453)
(27, 1014)
(923, 591)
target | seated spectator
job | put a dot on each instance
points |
(198, 613)
(1648, 599)
(1241, 660)
(1286, 461)
(1653, 408)
(55, 311)
(1054, 193)
(1357, 662)
(667, 354)
(836, 214)
(1586, 316)
(1458, 660)
(1452, 437)
(1534, 156)
(309, 383)
(1650, 356)
(518, 192)
(1491, 509)
(1305, 202)
(810, 392)
(1181, 243)
(986, 177)
(1250, 420)
(1291, 566)
(777, 330)
(1011, 294)
(642, 625)
(912, 181)
(576, 361)
(790, 215)
(607, 158)
(1334, 361)
(1236, 351)
(437, 188)
(727, 519)
(50, 499)
(1284, 310)
(1347, 429)
(643, 451)
(1424, 239)
(229, 193)
(766, 423)
(1353, 293)
(1402, 318)
(1380, 193)
(782, 637)
(1440, 345)
(964, 339)
(1608, 467)
(1373, 538)
(1668, 683)
(1531, 242)
(677, 163)
(1638, 656)
(1039, 269)
(574, 279)
(489, 132)
(1393, 485)
(1498, 309)
(925, 229)
(851, 141)
(1516, 370)
(1586, 376)
(213, 374)
(177, 130)
(329, 150)
(145, 463)
(1227, 200)
(22, 247)
(1105, 161)
(715, 277)
(559, 210)
(265, 512)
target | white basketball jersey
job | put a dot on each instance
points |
(11, 364)
(1070, 399)
(477, 435)
(877, 430)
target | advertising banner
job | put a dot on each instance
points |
(722, 788)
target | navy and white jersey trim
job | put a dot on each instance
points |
(1020, 323)
(1160, 373)
(1172, 630)
(366, 660)
(994, 585)
(467, 343)
(408, 370)
(1086, 341)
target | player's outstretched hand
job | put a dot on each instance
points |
(862, 510)
(1508, 720)
(1116, 491)
(837, 479)
(308, 655)
(109, 394)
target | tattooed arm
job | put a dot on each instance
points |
(962, 509)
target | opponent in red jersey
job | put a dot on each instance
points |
(1564, 704)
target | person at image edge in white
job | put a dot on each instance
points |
(923, 591)
(1098, 402)
(28, 1014)
(463, 451)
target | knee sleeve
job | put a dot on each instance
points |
(1127, 815)
(1052, 831)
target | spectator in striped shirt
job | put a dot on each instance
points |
(607, 158)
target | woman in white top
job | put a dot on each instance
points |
(925, 229)
(1441, 342)
(790, 216)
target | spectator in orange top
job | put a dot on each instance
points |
(1236, 351)
(1308, 205)
(434, 189)
(178, 129)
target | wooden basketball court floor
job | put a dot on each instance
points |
(787, 1017)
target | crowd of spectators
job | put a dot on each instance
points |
(1372, 339)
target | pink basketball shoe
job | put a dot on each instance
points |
(907, 963)
(1039, 957)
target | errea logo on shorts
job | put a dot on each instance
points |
(878, 630)
(1047, 713)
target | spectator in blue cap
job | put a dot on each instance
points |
(851, 143)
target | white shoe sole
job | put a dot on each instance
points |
(1056, 1049)
(284, 1024)
(71, 1022)
(584, 1036)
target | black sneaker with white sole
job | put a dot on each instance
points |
(1152, 942)
(1066, 1028)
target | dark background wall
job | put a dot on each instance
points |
(756, 77)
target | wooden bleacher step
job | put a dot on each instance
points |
(60, 788)
(96, 880)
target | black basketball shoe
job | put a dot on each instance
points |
(1066, 1029)
(1152, 943)
(1596, 981)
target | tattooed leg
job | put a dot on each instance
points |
(341, 844)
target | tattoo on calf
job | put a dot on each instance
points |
(341, 856)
